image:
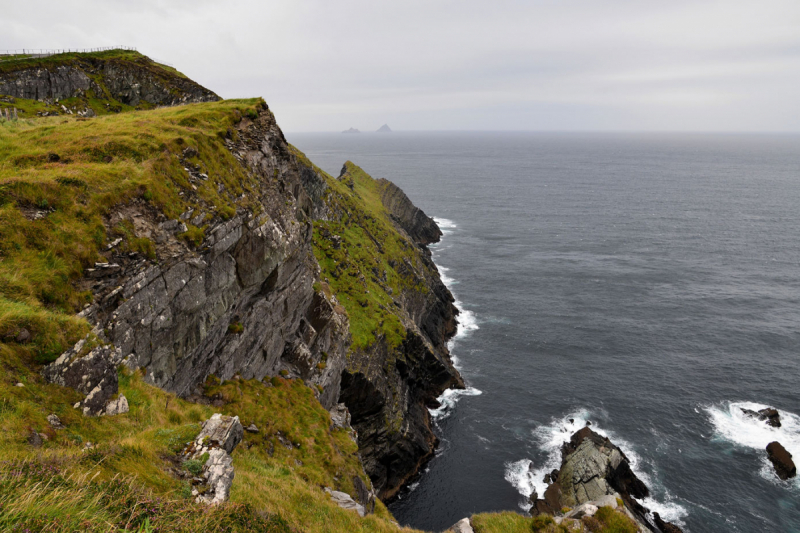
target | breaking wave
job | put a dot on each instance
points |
(527, 477)
(732, 425)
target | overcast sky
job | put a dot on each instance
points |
(689, 65)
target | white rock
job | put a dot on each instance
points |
(462, 526)
(20, 385)
(586, 509)
(345, 501)
(118, 406)
(218, 471)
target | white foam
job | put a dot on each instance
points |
(527, 477)
(732, 425)
(448, 400)
(447, 226)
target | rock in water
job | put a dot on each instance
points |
(781, 460)
(665, 527)
(769, 415)
(594, 473)
(385, 129)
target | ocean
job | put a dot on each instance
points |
(648, 283)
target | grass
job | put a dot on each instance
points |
(606, 520)
(363, 256)
(101, 163)
(132, 460)
(505, 522)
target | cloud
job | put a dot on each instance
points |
(442, 64)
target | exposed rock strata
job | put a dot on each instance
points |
(592, 469)
(770, 415)
(129, 82)
(421, 228)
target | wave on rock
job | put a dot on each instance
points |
(527, 477)
(732, 425)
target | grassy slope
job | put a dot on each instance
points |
(102, 162)
(39, 262)
(364, 269)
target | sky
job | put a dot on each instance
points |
(536, 65)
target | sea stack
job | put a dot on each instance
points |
(351, 130)
(782, 460)
(384, 129)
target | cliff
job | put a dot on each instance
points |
(371, 248)
(190, 253)
(95, 83)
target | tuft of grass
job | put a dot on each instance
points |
(505, 522)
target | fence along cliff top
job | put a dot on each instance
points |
(33, 53)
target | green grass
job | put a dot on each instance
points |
(364, 269)
(101, 163)
(505, 522)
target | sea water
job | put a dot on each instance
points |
(647, 283)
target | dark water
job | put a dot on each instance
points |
(648, 283)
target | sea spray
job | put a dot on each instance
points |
(732, 425)
(467, 323)
(528, 478)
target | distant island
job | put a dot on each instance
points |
(351, 130)
(385, 129)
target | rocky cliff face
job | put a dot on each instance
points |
(389, 378)
(243, 303)
(131, 82)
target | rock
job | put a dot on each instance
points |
(23, 336)
(412, 220)
(93, 374)
(218, 472)
(343, 500)
(117, 407)
(173, 226)
(54, 421)
(769, 415)
(364, 495)
(218, 438)
(781, 460)
(19, 385)
(340, 416)
(53, 158)
(34, 439)
(665, 527)
(221, 431)
(586, 509)
(252, 428)
(609, 500)
(462, 526)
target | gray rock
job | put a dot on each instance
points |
(343, 500)
(218, 472)
(340, 416)
(117, 407)
(54, 421)
(462, 526)
(221, 431)
(252, 428)
(93, 374)
(586, 509)
(23, 336)
(173, 226)
(35, 440)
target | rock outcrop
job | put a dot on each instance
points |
(214, 444)
(93, 373)
(421, 228)
(593, 472)
(131, 81)
(781, 460)
(770, 415)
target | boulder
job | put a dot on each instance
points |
(93, 374)
(781, 460)
(54, 421)
(769, 415)
(118, 406)
(586, 509)
(345, 501)
(462, 526)
(34, 439)
(218, 438)
(252, 428)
